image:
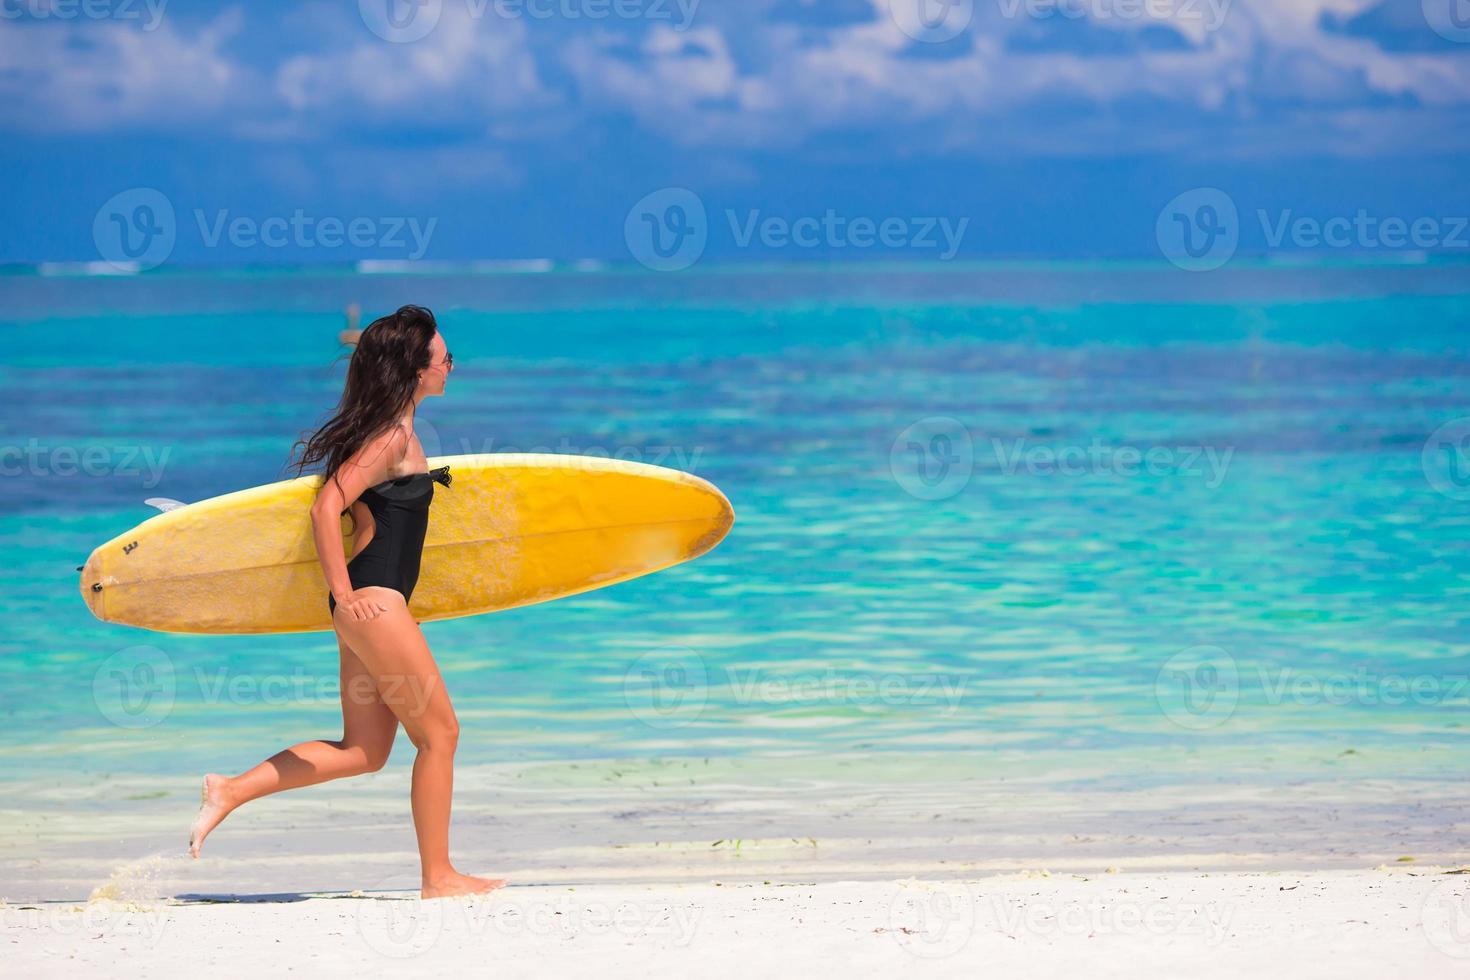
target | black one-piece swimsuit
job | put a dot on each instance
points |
(400, 509)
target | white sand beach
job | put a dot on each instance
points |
(680, 868)
(1383, 923)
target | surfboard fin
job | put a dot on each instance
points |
(164, 504)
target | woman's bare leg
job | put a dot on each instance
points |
(396, 654)
(368, 729)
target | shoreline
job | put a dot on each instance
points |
(673, 823)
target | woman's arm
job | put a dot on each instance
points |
(368, 466)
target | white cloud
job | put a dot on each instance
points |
(1266, 56)
(466, 68)
(736, 81)
(88, 76)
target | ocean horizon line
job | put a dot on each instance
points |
(544, 265)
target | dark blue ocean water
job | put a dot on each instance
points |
(1031, 507)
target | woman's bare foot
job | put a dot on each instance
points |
(214, 805)
(455, 883)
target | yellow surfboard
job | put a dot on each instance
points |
(512, 529)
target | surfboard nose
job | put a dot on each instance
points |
(721, 522)
(91, 585)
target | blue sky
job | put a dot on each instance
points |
(519, 128)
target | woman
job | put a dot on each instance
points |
(376, 467)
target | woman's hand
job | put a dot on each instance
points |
(362, 606)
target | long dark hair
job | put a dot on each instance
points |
(381, 379)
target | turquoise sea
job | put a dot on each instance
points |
(1113, 514)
